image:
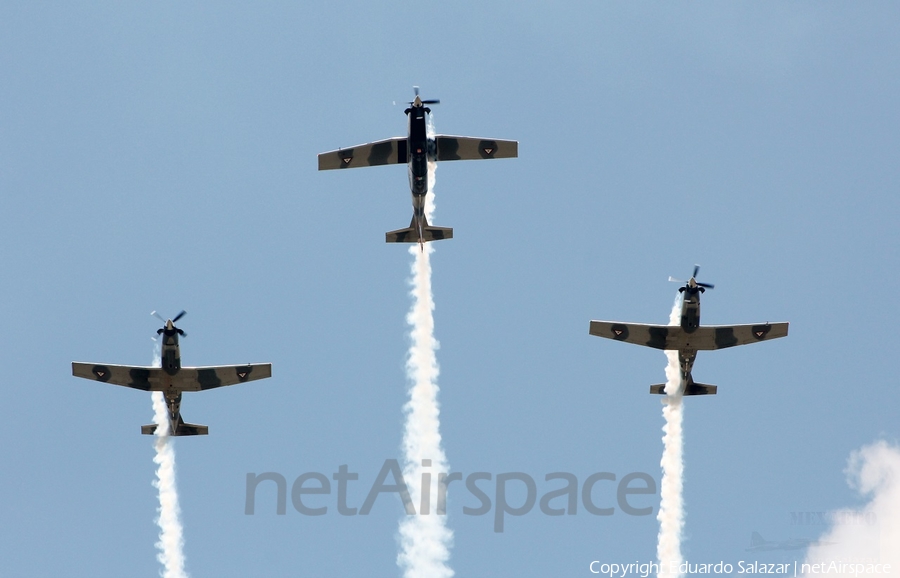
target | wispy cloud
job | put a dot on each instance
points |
(874, 472)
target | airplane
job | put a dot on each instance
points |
(689, 337)
(172, 379)
(760, 544)
(416, 150)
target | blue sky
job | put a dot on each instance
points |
(162, 156)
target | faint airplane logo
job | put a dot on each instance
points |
(760, 544)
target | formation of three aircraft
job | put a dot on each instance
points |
(416, 150)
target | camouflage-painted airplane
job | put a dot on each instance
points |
(689, 337)
(416, 150)
(172, 379)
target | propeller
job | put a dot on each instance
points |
(416, 90)
(694, 279)
(173, 320)
(699, 284)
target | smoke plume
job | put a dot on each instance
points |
(671, 506)
(171, 537)
(425, 539)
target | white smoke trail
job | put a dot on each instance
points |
(671, 506)
(870, 534)
(171, 537)
(425, 539)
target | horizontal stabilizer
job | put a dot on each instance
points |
(411, 235)
(193, 429)
(183, 429)
(691, 389)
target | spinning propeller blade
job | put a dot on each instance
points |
(416, 90)
(699, 284)
(166, 322)
(694, 278)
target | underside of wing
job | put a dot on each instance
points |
(722, 336)
(202, 378)
(704, 338)
(459, 148)
(655, 336)
(383, 152)
(143, 378)
(185, 379)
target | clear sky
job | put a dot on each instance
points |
(163, 156)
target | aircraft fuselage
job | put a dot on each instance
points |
(170, 354)
(169, 350)
(690, 321)
(419, 148)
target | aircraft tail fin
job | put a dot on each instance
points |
(756, 539)
(692, 388)
(411, 234)
(183, 429)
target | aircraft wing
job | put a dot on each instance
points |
(656, 336)
(462, 148)
(143, 378)
(704, 338)
(721, 336)
(222, 375)
(187, 378)
(384, 152)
